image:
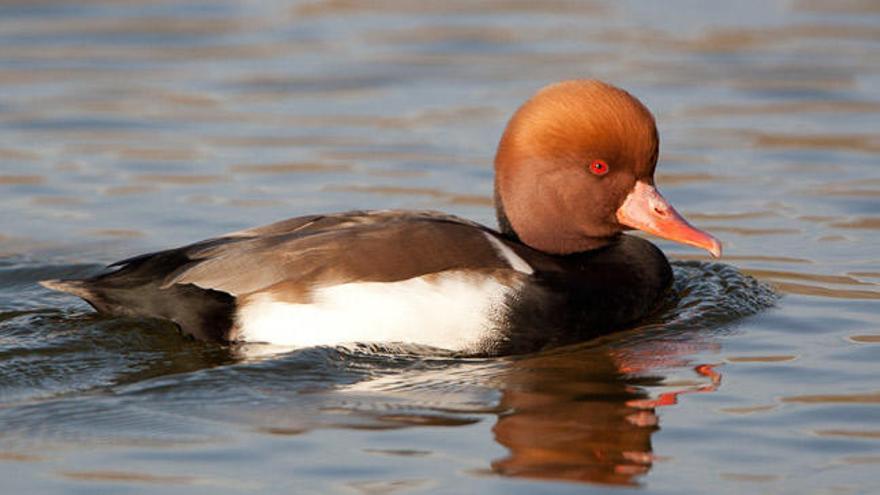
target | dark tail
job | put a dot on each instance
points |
(203, 313)
(75, 287)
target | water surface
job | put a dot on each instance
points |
(131, 126)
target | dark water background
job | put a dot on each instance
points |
(133, 125)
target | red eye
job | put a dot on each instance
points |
(598, 167)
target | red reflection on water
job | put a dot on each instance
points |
(586, 416)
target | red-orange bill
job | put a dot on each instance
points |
(646, 210)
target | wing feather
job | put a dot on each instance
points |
(325, 250)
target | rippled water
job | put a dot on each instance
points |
(130, 126)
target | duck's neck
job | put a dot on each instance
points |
(580, 245)
(503, 223)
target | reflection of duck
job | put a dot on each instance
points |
(574, 169)
(578, 416)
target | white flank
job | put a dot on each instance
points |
(453, 310)
(515, 261)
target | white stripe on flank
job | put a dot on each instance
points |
(515, 261)
(454, 310)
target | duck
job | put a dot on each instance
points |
(574, 171)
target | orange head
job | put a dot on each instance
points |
(575, 167)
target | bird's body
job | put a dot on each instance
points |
(558, 271)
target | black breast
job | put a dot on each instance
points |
(581, 296)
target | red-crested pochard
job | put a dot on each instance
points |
(574, 169)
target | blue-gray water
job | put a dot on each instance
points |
(130, 126)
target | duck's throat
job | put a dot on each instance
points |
(549, 243)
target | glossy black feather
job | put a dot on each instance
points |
(586, 295)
